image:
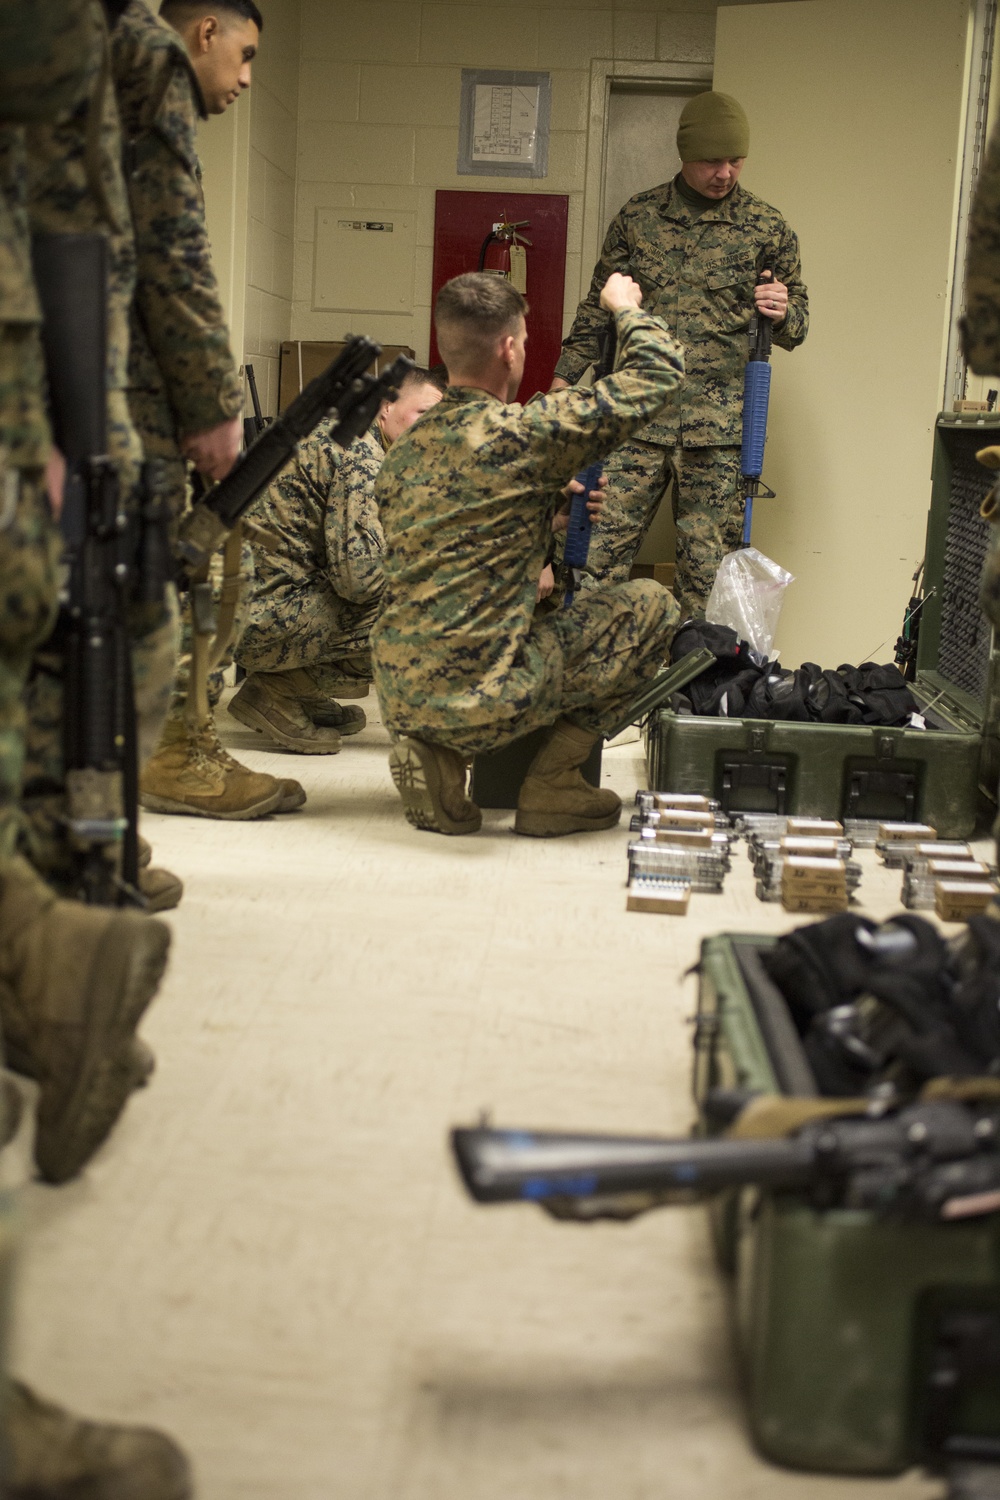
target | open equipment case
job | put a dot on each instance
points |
(867, 1345)
(938, 775)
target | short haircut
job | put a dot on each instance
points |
(436, 376)
(180, 13)
(471, 313)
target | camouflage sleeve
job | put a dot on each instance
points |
(793, 328)
(980, 324)
(570, 429)
(177, 297)
(579, 349)
(43, 64)
(293, 510)
(355, 543)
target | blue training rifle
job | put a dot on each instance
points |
(578, 531)
(756, 394)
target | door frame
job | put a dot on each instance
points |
(604, 71)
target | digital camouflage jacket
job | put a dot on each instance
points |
(42, 72)
(180, 343)
(322, 511)
(981, 324)
(698, 274)
(76, 186)
(466, 499)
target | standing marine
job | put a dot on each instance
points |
(170, 71)
(697, 246)
(74, 979)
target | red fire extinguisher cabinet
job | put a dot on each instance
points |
(461, 223)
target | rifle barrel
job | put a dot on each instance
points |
(503, 1166)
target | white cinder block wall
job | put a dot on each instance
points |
(379, 91)
(274, 105)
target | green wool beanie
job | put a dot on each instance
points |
(713, 127)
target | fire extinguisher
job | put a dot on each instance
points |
(503, 252)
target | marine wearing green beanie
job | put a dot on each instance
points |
(713, 127)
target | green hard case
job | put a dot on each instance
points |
(937, 776)
(839, 1315)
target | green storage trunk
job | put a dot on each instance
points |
(850, 1328)
(935, 776)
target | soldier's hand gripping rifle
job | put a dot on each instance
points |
(931, 1161)
(756, 396)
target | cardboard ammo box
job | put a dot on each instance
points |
(848, 1325)
(303, 359)
(934, 775)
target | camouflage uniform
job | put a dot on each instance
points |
(697, 269)
(41, 73)
(182, 377)
(980, 329)
(76, 186)
(466, 499)
(981, 323)
(316, 595)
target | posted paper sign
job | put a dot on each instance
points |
(505, 127)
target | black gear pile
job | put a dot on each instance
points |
(741, 684)
(891, 1003)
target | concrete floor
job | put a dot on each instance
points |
(272, 1258)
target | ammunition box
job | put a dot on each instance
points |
(669, 897)
(827, 902)
(814, 874)
(814, 828)
(906, 833)
(958, 900)
(694, 838)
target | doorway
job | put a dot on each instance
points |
(640, 152)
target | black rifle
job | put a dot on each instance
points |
(577, 544)
(930, 1161)
(344, 391)
(110, 540)
(253, 426)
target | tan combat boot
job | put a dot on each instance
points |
(56, 1456)
(270, 702)
(318, 688)
(293, 793)
(74, 983)
(431, 781)
(182, 777)
(555, 799)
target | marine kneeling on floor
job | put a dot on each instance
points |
(468, 501)
(318, 582)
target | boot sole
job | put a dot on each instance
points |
(152, 803)
(123, 979)
(244, 713)
(535, 825)
(415, 774)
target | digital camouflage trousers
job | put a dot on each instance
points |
(29, 560)
(586, 663)
(707, 506)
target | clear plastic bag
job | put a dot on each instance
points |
(747, 595)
